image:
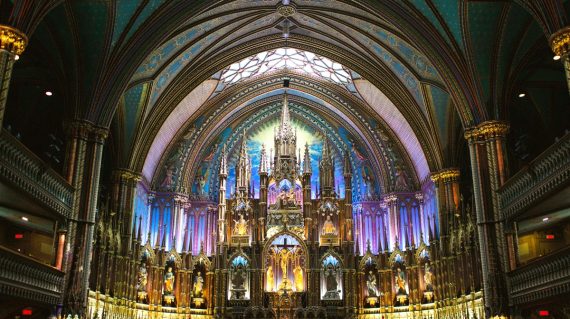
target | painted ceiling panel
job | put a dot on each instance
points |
(135, 99)
(150, 7)
(177, 117)
(530, 39)
(440, 103)
(449, 10)
(483, 20)
(159, 56)
(423, 7)
(124, 10)
(394, 118)
(91, 19)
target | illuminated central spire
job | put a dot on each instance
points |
(286, 131)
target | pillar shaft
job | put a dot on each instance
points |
(486, 143)
(83, 169)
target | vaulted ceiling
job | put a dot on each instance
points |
(420, 71)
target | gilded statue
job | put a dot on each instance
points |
(240, 227)
(270, 278)
(284, 255)
(428, 278)
(328, 227)
(142, 278)
(400, 282)
(198, 285)
(169, 281)
(298, 274)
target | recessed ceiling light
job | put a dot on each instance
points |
(16, 57)
(24, 218)
(49, 93)
(556, 58)
(545, 219)
(522, 95)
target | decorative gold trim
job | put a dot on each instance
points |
(487, 129)
(12, 40)
(286, 10)
(450, 174)
(560, 41)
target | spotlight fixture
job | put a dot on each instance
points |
(16, 57)
(545, 219)
(49, 93)
(24, 218)
(556, 58)
(522, 95)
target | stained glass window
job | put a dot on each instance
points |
(286, 58)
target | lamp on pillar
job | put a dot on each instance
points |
(560, 44)
(12, 44)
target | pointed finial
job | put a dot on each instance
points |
(139, 232)
(223, 163)
(263, 160)
(307, 160)
(163, 245)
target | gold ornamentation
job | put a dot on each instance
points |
(560, 41)
(286, 10)
(487, 129)
(12, 40)
(450, 174)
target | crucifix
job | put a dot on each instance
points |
(284, 256)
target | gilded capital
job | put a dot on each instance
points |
(445, 175)
(12, 40)
(560, 41)
(487, 129)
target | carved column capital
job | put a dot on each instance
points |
(12, 40)
(445, 175)
(560, 41)
(88, 131)
(487, 130)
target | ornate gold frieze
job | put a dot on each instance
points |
(487, 129)
(12, 40)
(286, 10)
(450, 174)
(560, 41)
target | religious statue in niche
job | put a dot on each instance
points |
(240, 227)
(198, 285)
(284, 256)
(369, 182)
(142, 278)
(270, 278)
(331, 284)
(428, 277)
(328, 227)
(298, 274)
(201, 183)
(400, 282)
(169, 281)
(401, 180)
(371, 285)
(238, 281)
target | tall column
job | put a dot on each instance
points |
(560, 44)
(12, 44)
(447, 196)
(486, 150)
(123, 196)
(83, 165)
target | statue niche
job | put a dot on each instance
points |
(239, 278)
(169, 280)
(331, 278)
(284, 264)
(199, 284)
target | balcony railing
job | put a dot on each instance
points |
(541, 278)
(546, 174)
(22, 168)
(24, 277)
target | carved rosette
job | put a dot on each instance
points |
(560, 41)
(12, 40)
